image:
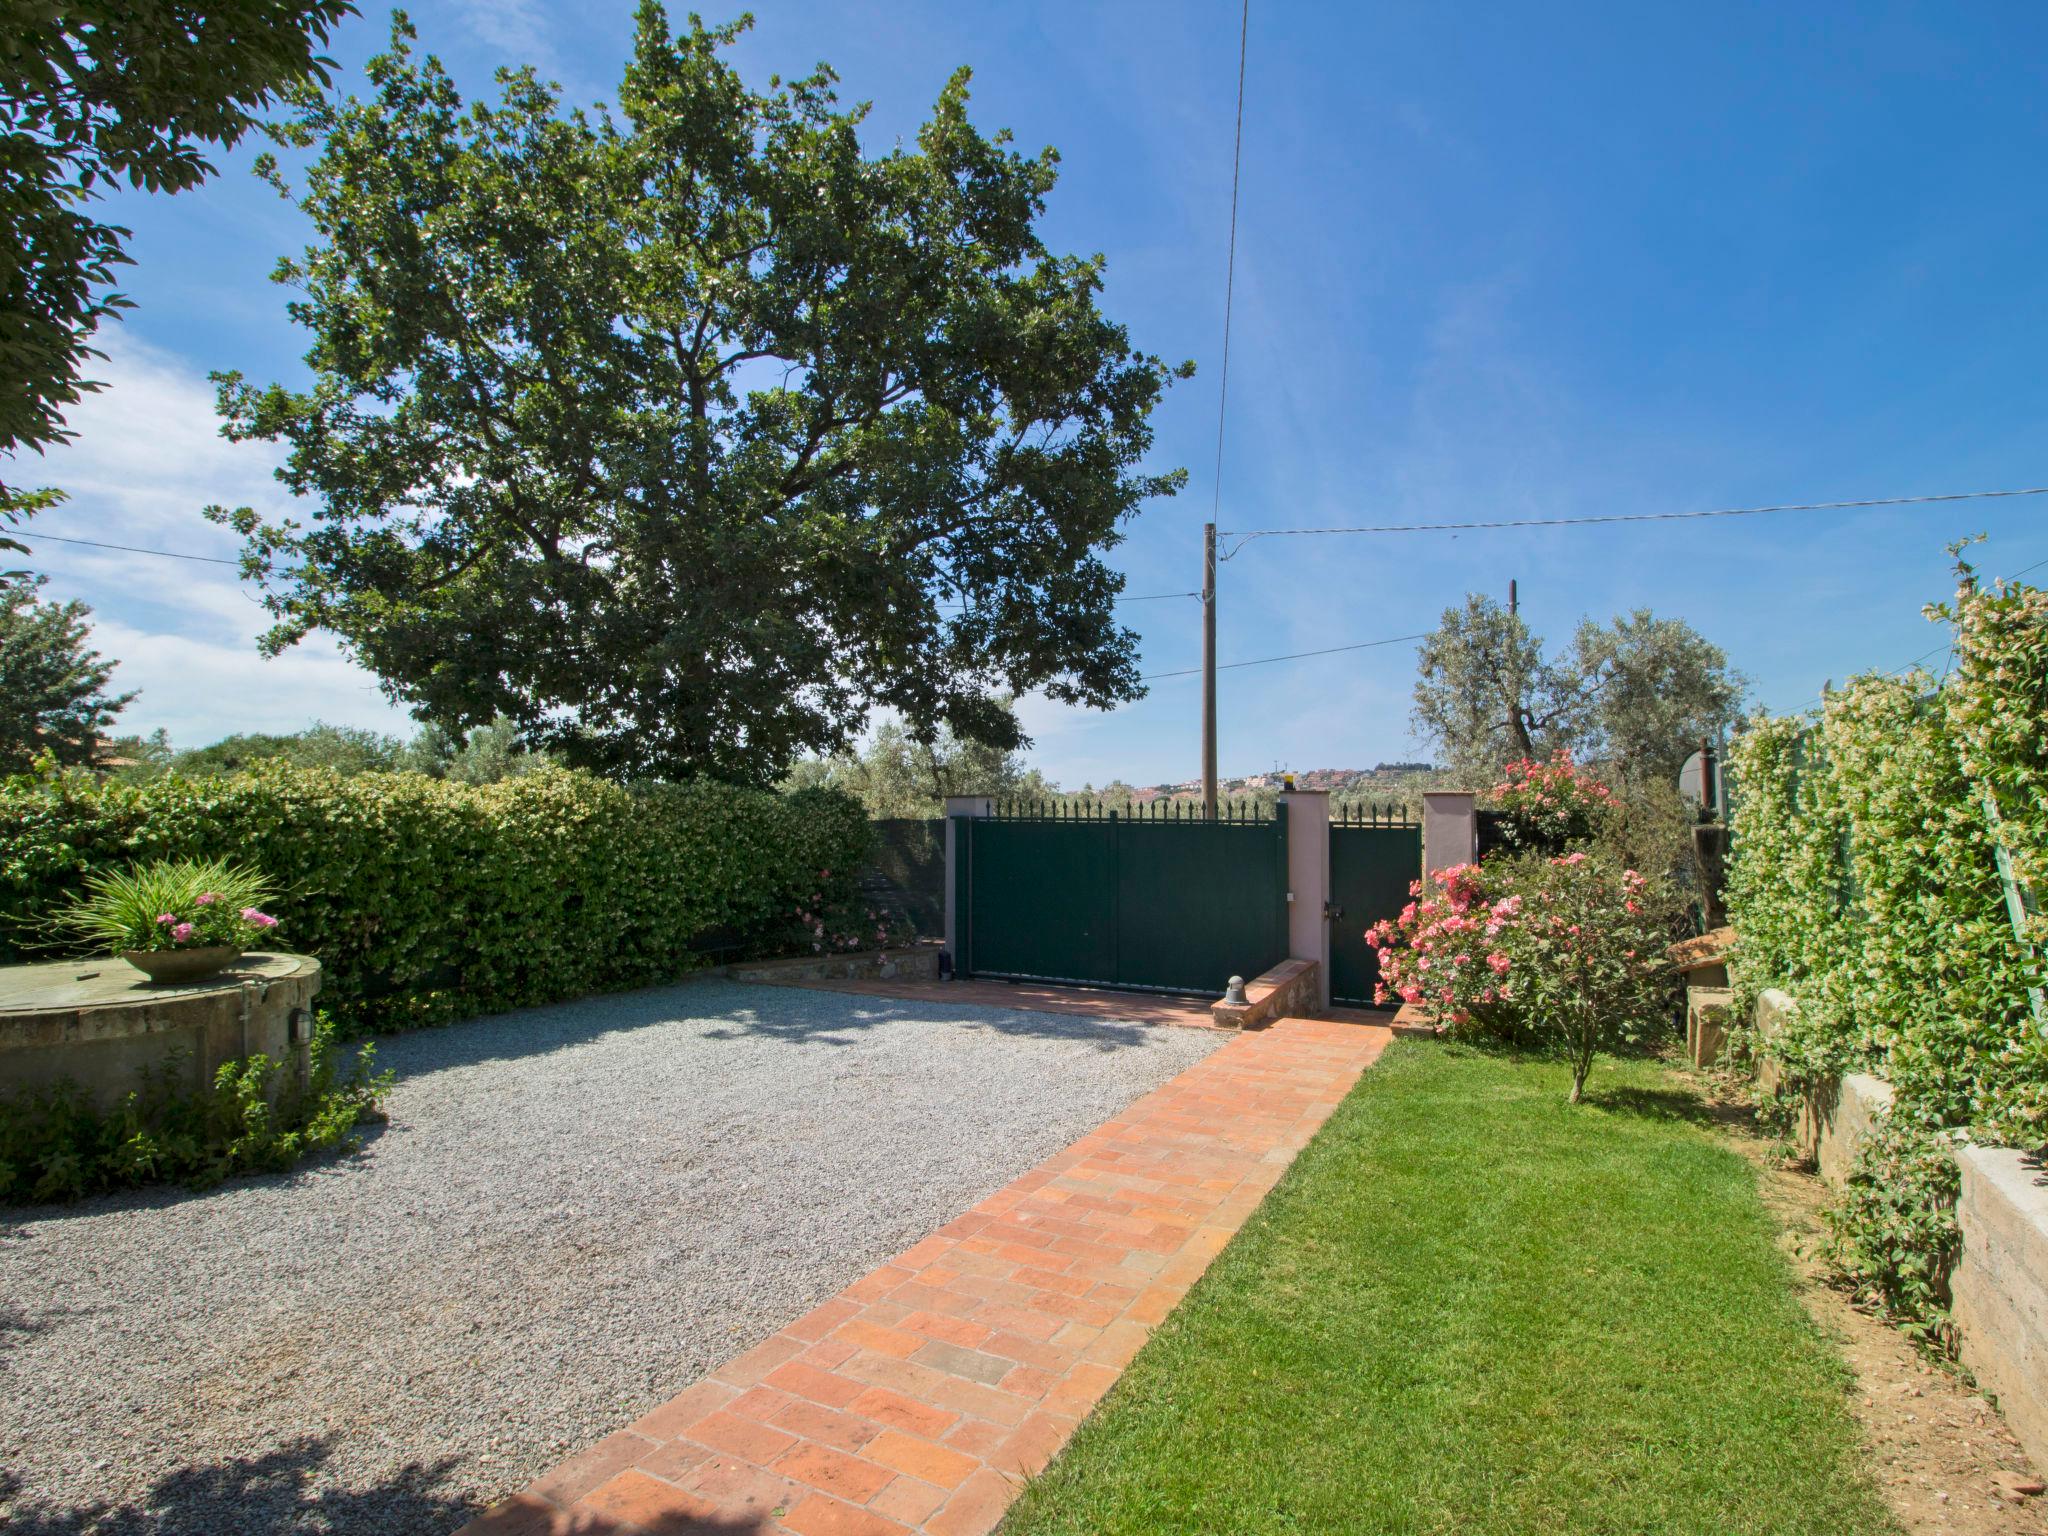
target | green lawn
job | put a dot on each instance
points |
(1471, 1307)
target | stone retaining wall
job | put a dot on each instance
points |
(921, 963)
(2001, 1285)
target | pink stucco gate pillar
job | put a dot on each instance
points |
(1450, 829)
(1308, 881)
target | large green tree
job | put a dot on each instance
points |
(684, 437)
(53, 685)
(94, 93)
(1636, 695)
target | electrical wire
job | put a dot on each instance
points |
(1267, 661)
(1245, 537)
(1946, 645)
(1244, 28)
(133, 549)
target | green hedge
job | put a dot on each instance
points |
(1865, 881)
(428, 901)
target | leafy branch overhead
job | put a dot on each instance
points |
(95, 93)
(686, 435)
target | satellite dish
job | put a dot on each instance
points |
(1691, 776)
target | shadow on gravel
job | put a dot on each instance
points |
(257, 1493)
(734, 1010)
(802, 1023)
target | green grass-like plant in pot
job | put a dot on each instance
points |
(174, 920)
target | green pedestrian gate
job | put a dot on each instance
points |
(1375, 851)
(1151, 900)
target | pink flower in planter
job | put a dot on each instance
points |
(165, 918)
(181, 933)
(208, 898)
(260, 919)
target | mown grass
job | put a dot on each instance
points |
(1471, 1307)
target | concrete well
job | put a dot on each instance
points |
(102, 1023)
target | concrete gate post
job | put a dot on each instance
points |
(1450, 829)
(1308, 882)
(977, 806)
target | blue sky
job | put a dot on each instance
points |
(1505, 261)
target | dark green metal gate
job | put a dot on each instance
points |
(1151, 902)
(1375, 851)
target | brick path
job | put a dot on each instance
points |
(921, 1396)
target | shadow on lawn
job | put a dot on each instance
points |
(271, 1492)
(1668, 1104)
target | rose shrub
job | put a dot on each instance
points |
(826, 925)
(1549, 806)
(1562, 953)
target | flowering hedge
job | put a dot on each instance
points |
(427, 900)
(1565, 953)
(1864, 881)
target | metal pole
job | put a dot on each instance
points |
(1512, 604)
(1209, 670)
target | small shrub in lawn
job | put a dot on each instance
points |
(1562, 953)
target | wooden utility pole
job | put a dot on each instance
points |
(1209, 670)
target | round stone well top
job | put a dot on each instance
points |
(101, 1022)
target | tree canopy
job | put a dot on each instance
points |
(686, 435)
(53, 694)
(94, 92)
(1637, 694)
(896, 775)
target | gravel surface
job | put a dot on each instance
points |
(573, 1213)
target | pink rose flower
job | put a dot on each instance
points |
(181, 933)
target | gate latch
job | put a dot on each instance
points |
(1331, 909)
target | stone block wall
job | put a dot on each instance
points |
(919, 963)
(2001, 1285)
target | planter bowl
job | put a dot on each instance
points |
(182, 964)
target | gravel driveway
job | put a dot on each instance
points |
(574, 1212)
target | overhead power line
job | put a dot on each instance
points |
(1244, 30)
(1244, 536)
(132, 549)
(1267, 661)
(1946, 645)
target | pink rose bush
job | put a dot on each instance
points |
(1549, 805)
(1563, 953)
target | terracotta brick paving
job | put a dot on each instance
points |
(921, 1396)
